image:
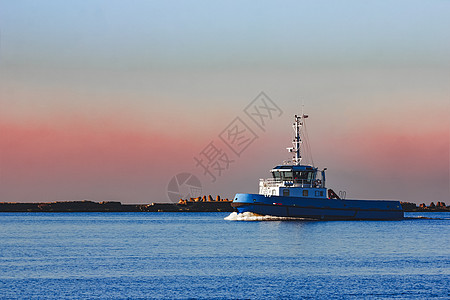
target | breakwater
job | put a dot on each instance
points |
(188, 205)
(412, 207)
(200, 204)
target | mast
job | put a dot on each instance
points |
(297, 141)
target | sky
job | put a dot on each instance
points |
(111, 100)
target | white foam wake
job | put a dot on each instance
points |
(249, 216)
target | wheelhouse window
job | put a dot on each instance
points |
(287, 175)
(303, 176)
(276, 175)
(306, 176)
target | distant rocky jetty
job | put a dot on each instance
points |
(202, 199)
(190, 205)
(67, 206)
(412, 207)
(199, 204)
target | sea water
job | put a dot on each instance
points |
(202, 255)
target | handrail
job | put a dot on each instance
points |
(271, 182)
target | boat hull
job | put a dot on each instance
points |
(318, 208)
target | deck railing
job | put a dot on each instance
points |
(271, 182)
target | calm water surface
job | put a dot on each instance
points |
(201, 255)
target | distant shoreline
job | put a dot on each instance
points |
(113, 206)
(182, 206)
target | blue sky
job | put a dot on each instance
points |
(117, 34)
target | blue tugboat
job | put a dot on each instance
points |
(299, 191)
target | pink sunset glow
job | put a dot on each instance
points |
(82, 159)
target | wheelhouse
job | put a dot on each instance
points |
(295, 174)
(294, 180)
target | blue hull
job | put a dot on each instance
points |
(318, 208)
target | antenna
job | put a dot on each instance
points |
(297, 141)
